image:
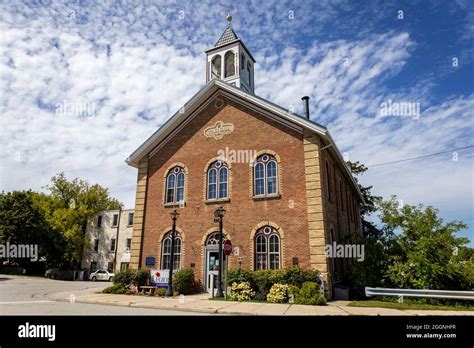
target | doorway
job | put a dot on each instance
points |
(212, 267)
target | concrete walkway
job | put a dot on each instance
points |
(201, 303)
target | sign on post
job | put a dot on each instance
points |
(227, 247)
(159, 277)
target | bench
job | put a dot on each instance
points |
(149, 289)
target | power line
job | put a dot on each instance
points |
(424, 156)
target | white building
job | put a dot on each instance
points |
(109, 239)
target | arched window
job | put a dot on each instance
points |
(265, 175)
(229, 66)
(216, 67)
(217, 181)
(175, 181)
(213, 239)
(166, 252)
(267, 248)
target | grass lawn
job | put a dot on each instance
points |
(396, 305)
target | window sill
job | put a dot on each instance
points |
(263, 197)
(171, 205)
(221, 200)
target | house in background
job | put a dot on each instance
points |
(283, 182)
(109, 240)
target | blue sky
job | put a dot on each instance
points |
(84, 83)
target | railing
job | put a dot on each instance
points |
(448, 294)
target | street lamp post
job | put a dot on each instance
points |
(219, 214)
(169, 291)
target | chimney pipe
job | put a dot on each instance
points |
(305, 100)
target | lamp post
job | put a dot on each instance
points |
(219, 214)
(169, 291)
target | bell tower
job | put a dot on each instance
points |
(230, 61)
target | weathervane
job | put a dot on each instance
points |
(229, 9)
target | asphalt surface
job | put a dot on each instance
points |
(25, 296)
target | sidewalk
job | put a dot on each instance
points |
(201, 303)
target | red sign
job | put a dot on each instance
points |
(227, 247)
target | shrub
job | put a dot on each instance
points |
(278, 293)
(183, 282)
(308, 294)
(115, 289)
(239, 275)
(124, 277)
(241, 292)
(297, 276)
(128, 277)
(161, 292)
(141, 277)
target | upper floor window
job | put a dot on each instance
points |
(216, 67)
(166, 252)
(99, 221)
(328, 180)
(265, 175)
(115, 220)
(267, 248)
(217, 181)
(130, 219)
(242, 62)
(175, 181)
(112, 244)
(96, 245)
(229, 66)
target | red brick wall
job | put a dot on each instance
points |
(191, 148)
(338, 211)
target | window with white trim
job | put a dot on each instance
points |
(267, 248)
(175, 181)
(217, 181)
(166, 252)
(265, 175)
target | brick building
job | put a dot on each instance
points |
(281, 179)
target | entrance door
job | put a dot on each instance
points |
(212, 267)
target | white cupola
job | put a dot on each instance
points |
(230, 61)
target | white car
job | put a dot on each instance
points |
(101, 275)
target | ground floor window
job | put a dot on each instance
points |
(93, 267)
(124, 265)
(166, 252)
(110, 267)
(267, 248)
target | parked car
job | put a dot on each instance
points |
(101, 275)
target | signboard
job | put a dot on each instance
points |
(219, 130)
(227, 247)
(150, 261)
(159, 277)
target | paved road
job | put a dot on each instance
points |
(25, 296)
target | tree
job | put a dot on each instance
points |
(22, 222)
(429, 257)
(70, 206)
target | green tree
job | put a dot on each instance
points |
(22, 222)
(71, 205)
(428, 257)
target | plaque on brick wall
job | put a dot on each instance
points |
(219, 130)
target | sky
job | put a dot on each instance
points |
(84, 83)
